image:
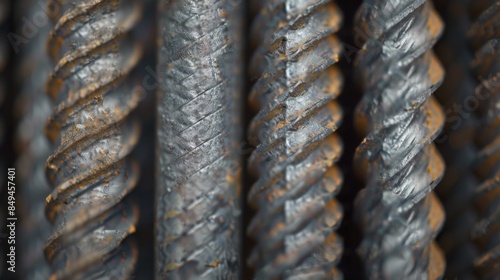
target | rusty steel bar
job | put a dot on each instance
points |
(399, 214)
(485, 40)
(293, 132)
(89, 169)
(198, 167)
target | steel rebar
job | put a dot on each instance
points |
(33, 147)
(293, 132)
(198, 166)
(89, 170)
(399, 214)
(485, 39)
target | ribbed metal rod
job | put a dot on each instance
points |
(198, 165)
(485, 40)
(33, 147)
(296, 83)
(399, 214)
(89, 169)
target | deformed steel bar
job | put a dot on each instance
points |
(485, 41)
(33, 147)
(198, 119)
(296, 84)
(398, 213)
(89, 169)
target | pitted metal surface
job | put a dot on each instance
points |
(89, 168)
(293, 132)
(198, 165)
(399, 214)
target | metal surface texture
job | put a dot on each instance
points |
(89, 168)
(198, 165)
(398, 212)
(33, 148)
(295, 86)
(485, 40)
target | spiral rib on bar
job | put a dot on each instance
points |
(485, 38)
(89, 169)
(399, 214)
(296, 147)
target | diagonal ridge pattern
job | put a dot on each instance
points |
(399, 214)
(89, 169)
(296, 147)
(198, 187)
(485, 40)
